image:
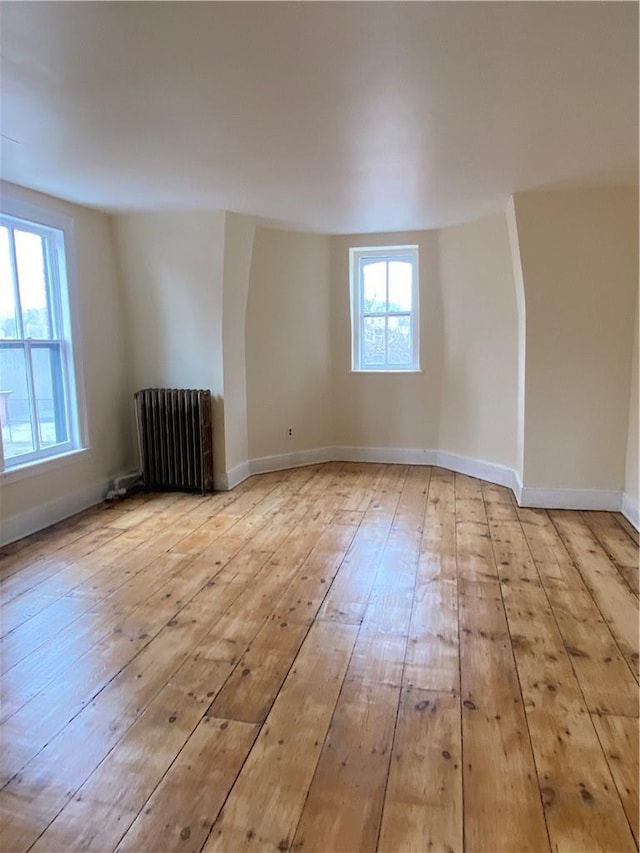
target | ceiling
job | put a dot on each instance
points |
(330, 117)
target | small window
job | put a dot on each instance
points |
(38, 405)
(384, 309)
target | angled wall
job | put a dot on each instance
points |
(171, 271)
(288, 344)
(579, 258)
(479, 397)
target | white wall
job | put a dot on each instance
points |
(631, 466)
(479, 398)
(171, 267)
(387, 410)
(288, 344)
(34, 502)
(580, 264)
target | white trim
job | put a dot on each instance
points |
(388, 455)
(630, 510)
(517, 487)
(502, 475)
(221, 482)
(490, 471)
(357, 256)
(18, 526)
(236, 475)
(227, 480)
(602, 499)
(297, 459)
(13, 205)
(42, 466)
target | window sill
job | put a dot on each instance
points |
(388, 372)
(42, 466)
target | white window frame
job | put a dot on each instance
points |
(57, 231)
(357, 256)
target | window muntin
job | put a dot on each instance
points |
(384, 308)
(38, 408)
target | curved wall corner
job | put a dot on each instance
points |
(239, 235)
(518, 283)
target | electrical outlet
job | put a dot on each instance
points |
(289, 433)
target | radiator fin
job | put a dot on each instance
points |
(175, 437)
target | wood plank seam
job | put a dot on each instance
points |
(588, 587)
(292, 664)
(325, 740)
(607, 549)
(402, 676)
(533, 754)
(568, 654)
(186, 603)
(462, 758)
(208, 708)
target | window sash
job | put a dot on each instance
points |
(62, 379)
(59, 401)
(359, 258)
(52, 278)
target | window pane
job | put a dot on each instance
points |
(399, 346)
(400, 273)
(15, 414)
(49, 394)
(374, 277)
(8, 325)
(36, 316)
(373, 341)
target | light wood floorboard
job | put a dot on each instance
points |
(342, 657)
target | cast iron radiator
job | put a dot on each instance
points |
(175, 437)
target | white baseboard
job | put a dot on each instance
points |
(385, 455)
(499, 474)
(18, 526)
(597, 499)
(490, 471)
(297, 459)
(630, 510)
(602, 499)
(517, 487)
(25, 523)
(221, 482)
(232, 478)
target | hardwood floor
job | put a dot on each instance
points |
(341, 657)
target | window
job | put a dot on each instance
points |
(384, 308)
(38, 402)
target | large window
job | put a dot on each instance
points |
(384, 309)
(38, 404)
